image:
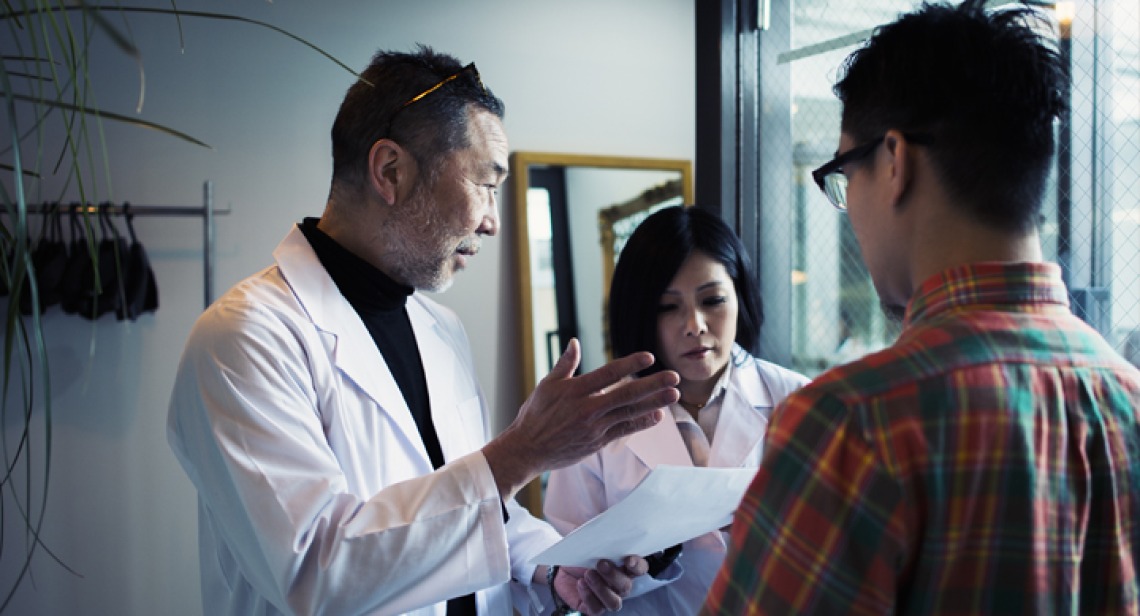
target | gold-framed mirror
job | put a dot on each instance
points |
(572, 214)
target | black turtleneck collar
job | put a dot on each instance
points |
(365, 287)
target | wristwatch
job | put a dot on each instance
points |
(660, 561)
(561, 608)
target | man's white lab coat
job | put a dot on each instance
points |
(315, 492)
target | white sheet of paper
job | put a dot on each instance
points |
(672, 504)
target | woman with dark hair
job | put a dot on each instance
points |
(684, 289)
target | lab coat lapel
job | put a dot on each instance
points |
(446, 368)
(344, 334)
(660, 444)
(744, 417)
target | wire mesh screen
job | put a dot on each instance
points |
(1093, 225)
(1091, 216)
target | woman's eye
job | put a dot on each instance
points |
(714, 301)
(666, 307)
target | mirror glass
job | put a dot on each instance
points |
(573, 214)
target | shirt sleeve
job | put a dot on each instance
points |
(820, 529)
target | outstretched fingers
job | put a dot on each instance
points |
(613, 372)
(626, 427)
(634, 405)
(634, 397)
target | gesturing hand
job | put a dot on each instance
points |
(567, 418)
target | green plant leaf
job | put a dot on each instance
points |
(110, 115)
(53, 50)
(180, 13)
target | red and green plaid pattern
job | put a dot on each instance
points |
(987, 463)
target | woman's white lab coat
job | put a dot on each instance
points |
(315, 492)
(577, 493)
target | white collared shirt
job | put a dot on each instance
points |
(710, 412)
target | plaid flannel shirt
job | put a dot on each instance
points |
(986, 463)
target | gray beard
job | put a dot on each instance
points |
(421, 274)
(412, 230)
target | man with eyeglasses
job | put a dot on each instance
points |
(988, 462)
(328, 412)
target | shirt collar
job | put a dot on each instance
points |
(722, 382)
(717, 392)
(992, 284)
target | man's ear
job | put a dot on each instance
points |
(388, 169)
(900, 164)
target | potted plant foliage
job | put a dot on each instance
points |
(44, 85)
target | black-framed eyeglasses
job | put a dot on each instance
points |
(830, 178)
(833, 182)
(446, 80)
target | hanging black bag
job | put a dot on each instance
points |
(73, 293)
(140, 288)
(49, 259)
(107, 296)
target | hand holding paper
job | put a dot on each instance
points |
(671, 505)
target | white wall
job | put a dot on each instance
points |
(591, 76)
